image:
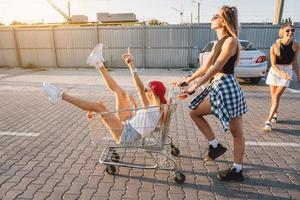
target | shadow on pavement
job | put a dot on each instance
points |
(290, 122)
(287, 131)
(226, 189)
(250, 166)
(269, 183)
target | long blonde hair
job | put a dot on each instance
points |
(280, 34)
(230, 18)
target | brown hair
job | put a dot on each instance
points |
(230, 18)
(280, 34)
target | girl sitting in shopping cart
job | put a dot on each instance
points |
(126, 126)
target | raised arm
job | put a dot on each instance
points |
(203, 68)
(227, 51)
(136, 79)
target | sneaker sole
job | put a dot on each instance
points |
(94, 54)
(267, 130)
(207, 159)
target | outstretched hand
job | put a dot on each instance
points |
(181, 84)
(190, 89)
(127, 57)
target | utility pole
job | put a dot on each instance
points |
(198, 12)
(198, 3)
(69, 9)
(191, 18)
(278, 11)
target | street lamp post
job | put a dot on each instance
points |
(198, 3)
(278, 11)
(198, 12)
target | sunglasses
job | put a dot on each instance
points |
(216, 16)
(290, 30)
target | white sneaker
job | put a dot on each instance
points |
(268, 127)
(96, 58)
(54, 94)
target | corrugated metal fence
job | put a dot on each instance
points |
(170, 46)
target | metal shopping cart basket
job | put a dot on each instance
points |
(157, 146)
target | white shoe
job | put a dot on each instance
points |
(54, 94)
(96, 58)
(268, 127)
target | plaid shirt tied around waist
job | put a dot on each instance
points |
(226, 98)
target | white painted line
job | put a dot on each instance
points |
(293, 91)
(278, 144)
(19, 134)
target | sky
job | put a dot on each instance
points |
(31, 11)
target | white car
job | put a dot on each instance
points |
(252, 65)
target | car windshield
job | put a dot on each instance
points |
(208, 47)
(246, 46)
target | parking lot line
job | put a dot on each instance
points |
(280, 144)
(19, 134)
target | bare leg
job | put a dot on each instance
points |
(275, 101)
(236, 129)
(197, 116)
(110, 120)
(122, 102)
(273, 89)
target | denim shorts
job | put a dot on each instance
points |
(129, 134)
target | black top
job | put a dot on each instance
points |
(286, 54)
(228, 68)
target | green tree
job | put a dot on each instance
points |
(14, 22)
(286, 20)
(156, 22)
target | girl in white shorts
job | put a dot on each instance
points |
(126, 126)
(284, 53)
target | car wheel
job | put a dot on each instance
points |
(255, 80)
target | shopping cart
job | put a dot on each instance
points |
(157, 147)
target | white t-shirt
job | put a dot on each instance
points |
(145, 120)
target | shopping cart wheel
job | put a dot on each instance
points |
(115, 157)
(110, 169)
(175, 151)
(179, 177)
